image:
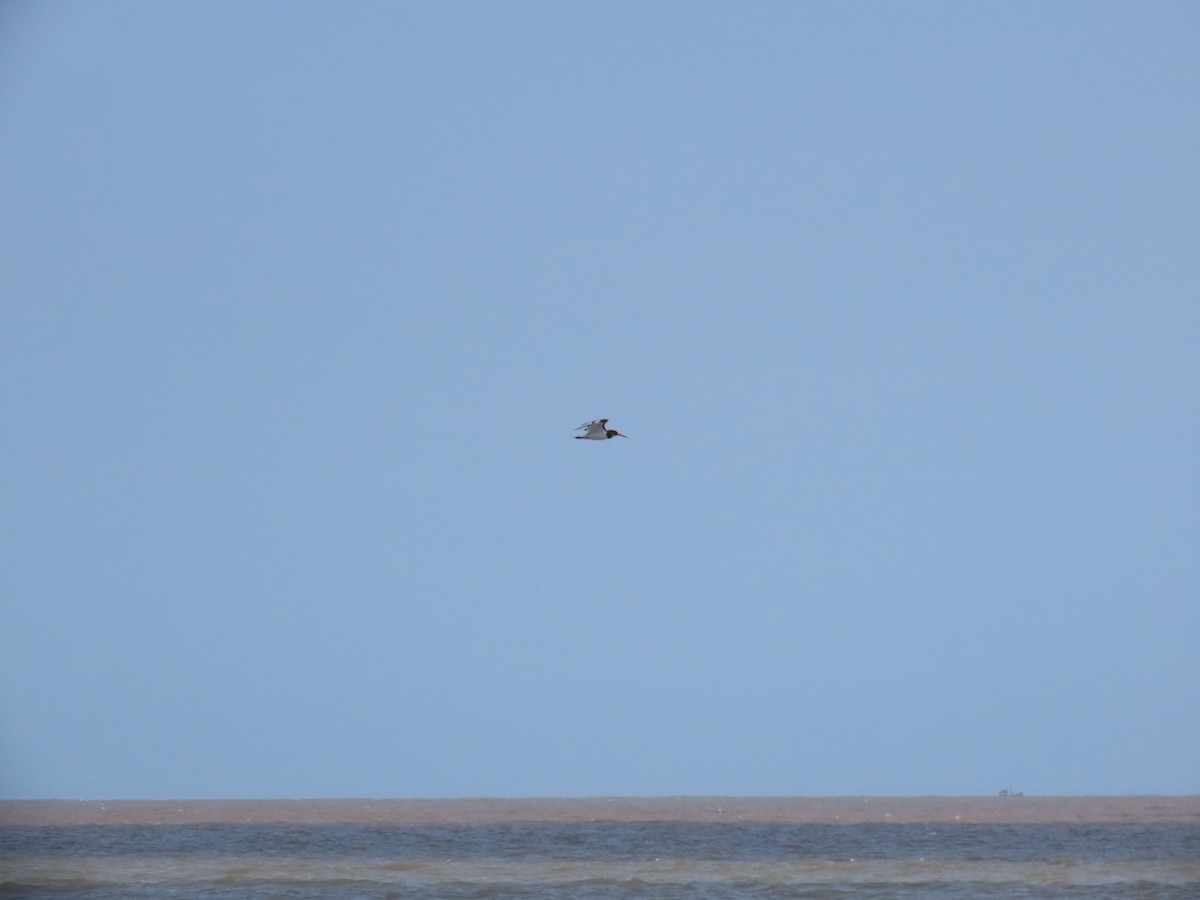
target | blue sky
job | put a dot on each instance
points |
(302, 301)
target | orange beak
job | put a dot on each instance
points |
(622, 435)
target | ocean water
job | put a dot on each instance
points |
(985, 847)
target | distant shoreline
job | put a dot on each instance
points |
(1014, 810)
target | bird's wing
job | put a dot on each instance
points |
(593, 426)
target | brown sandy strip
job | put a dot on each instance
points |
(1015, 810)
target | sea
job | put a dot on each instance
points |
(603, 848)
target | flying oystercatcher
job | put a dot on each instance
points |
(597, 430)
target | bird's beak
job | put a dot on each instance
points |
(622, 435)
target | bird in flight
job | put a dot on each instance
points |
(597, 430)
